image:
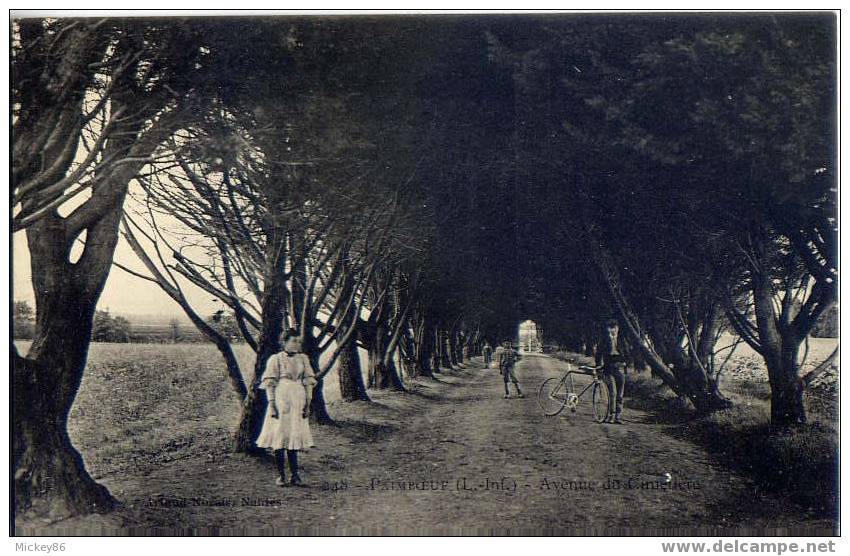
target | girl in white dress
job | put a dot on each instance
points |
(288, 381)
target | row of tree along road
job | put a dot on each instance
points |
(329, 176)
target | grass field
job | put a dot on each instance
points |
(744, 379)
(142, 405)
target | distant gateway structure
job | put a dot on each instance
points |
(529, 337)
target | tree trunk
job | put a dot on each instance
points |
(407, 352)
(49, 472)
(436, 352)
(390, 349)
(383, 372)
(474, 344)
(700, 389)
(779, 349)
(424, 347)
(250, 421)
(375, 358)
(707, 397)
(459, 341)
(318, 407)
(50, 478)
(272, 309)
(445, 350)
(451, 349)
(786, 387)
(392, 377)
(349, 370)
(351, 385)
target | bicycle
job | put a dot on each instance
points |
(556, 393)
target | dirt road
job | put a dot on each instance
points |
(454, 457)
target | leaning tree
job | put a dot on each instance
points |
(93, 102)
(745, 110)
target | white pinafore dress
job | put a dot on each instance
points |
(288, 375)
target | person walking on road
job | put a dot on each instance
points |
(507, 360)
(488, 354)
(609, 358)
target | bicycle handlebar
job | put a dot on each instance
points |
(587, 369)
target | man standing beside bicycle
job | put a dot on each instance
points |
(609, 358)
(507, 360)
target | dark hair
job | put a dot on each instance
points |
(290, 333)
(611, 323)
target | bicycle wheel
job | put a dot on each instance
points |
(552, 395)
(601, 397)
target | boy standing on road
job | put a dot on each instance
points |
(507, 360)
(609, 358)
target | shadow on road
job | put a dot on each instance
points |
(364, 431)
